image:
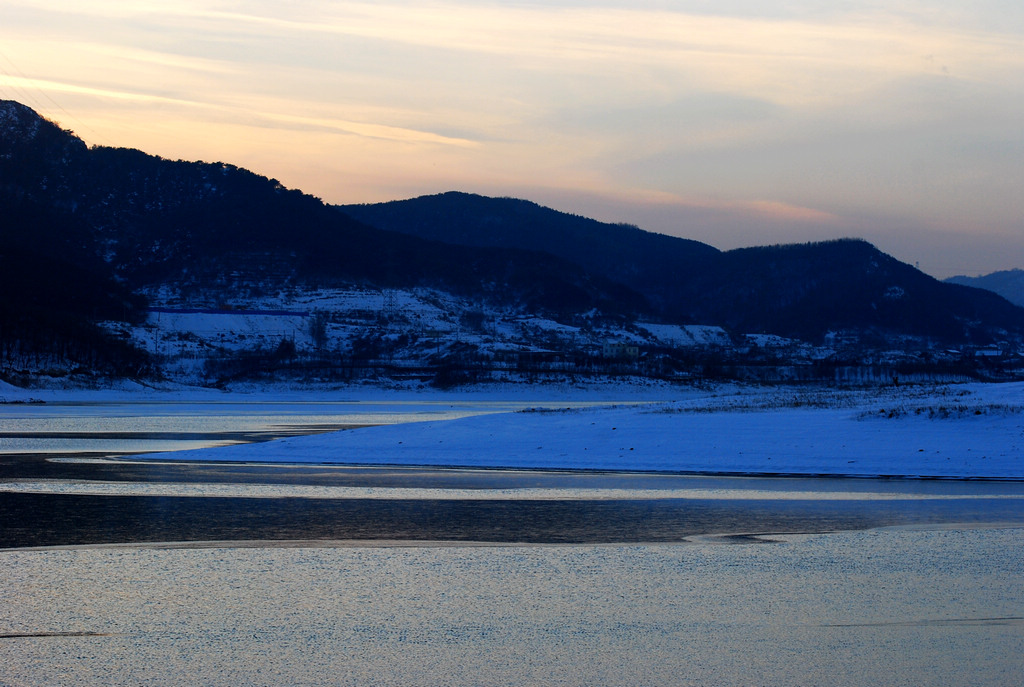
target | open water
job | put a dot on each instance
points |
(318, 575)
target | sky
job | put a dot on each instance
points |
(732, 122)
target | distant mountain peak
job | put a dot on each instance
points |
(20, 122)
(1007, 283)
(17, 120)
(13, 107)
(26, 138)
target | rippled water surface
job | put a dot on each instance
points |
(880, 607)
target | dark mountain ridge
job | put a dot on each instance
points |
(802, 291)
(647, 262)
(846, 285)
(151, 220)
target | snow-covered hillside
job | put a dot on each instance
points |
(429, 336)
(414, 329)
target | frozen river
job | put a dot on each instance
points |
(161, 574)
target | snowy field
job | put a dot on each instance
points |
(955, 431)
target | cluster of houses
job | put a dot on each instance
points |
(352, 334)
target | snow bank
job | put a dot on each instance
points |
(975, 431)
(590, 391)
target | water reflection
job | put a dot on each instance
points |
(659, 508)
(48, 519)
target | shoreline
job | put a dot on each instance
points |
(140, 458)
(385, 492)
(909, 477)
(712, 538)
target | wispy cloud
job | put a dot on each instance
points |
(784, 60)
(370, 130)
(777, 59)
(133, 95)
(804, 112)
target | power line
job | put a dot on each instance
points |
(29, 100)
(23, 95)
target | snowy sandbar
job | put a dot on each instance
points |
(965, 431)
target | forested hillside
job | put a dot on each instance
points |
(802, 291)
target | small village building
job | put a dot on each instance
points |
(620, 350)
